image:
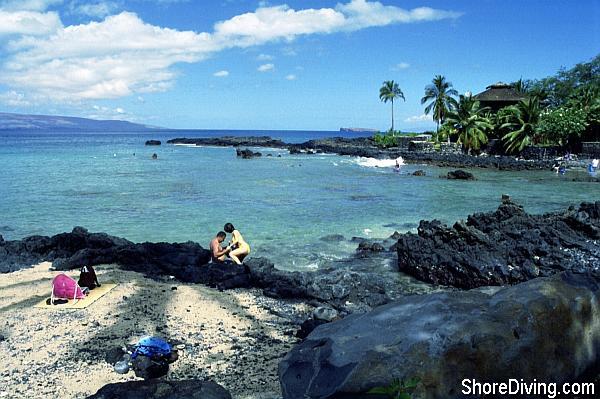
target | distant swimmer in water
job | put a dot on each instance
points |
(154, 156)
(397, 166)
(562, 169)
(556, 165)
(593, 166)
(241, 249)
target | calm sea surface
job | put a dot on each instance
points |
(51, 182)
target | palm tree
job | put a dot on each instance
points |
(470, 123)
(388, 92)
(522, 120)
(522, 86)
(440, 93)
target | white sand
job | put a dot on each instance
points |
(232, 337)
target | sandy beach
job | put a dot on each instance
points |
(235, 338)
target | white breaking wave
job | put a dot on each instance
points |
(379, 163)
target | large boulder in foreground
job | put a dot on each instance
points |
(159, 389)
(544, 329)
(502, 247)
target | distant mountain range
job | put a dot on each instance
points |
(67, 123)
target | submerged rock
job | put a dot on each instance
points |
(460, 175)
(247, 154)
(159, 389)
(153, 142)
(545, 329)
(502, 247)
(331, 238)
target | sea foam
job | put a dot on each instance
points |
(379, 163)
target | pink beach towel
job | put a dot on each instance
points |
(64, 287)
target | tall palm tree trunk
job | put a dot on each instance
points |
(392, 115)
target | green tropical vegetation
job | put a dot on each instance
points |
(521, 123)
(398, 389)
(562, 125)
(560, 110)
(468, 121)
(387, 139)
(440, 96)
(389, 92)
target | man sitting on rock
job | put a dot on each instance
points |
(218, 253)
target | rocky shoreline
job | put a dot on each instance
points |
(366, 147)
(507, 246)
(548, 264)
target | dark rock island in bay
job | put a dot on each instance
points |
(366, 147)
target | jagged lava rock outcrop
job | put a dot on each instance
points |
(80, 247)
(502, 247)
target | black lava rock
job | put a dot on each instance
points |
(460, 175)
(503, 247)
(247, 154)
(158, 389)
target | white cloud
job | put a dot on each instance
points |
(98, 10)
(265, 68)
(276, 23)
(221, 74)
(28, 5)
(113, 58)
(14, 99)
(400, 66)
(288, 51)
(264, 57)
(291, 77)
(28, 23)
(418, 118)
(103, 112)
(123, 55)
(364, 14)
(282, 22)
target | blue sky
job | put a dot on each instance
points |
(241, 64)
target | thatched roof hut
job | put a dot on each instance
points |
(499, 95)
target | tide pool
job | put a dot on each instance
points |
(283, 204)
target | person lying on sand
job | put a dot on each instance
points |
(218, 253)
(241, 249)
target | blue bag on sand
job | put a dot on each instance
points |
(152, 347)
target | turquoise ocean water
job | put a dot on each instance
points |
(50, 182)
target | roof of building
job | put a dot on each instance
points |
(500, 92)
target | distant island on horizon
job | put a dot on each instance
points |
(58, 123)
(358, 130)
(10, 121)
